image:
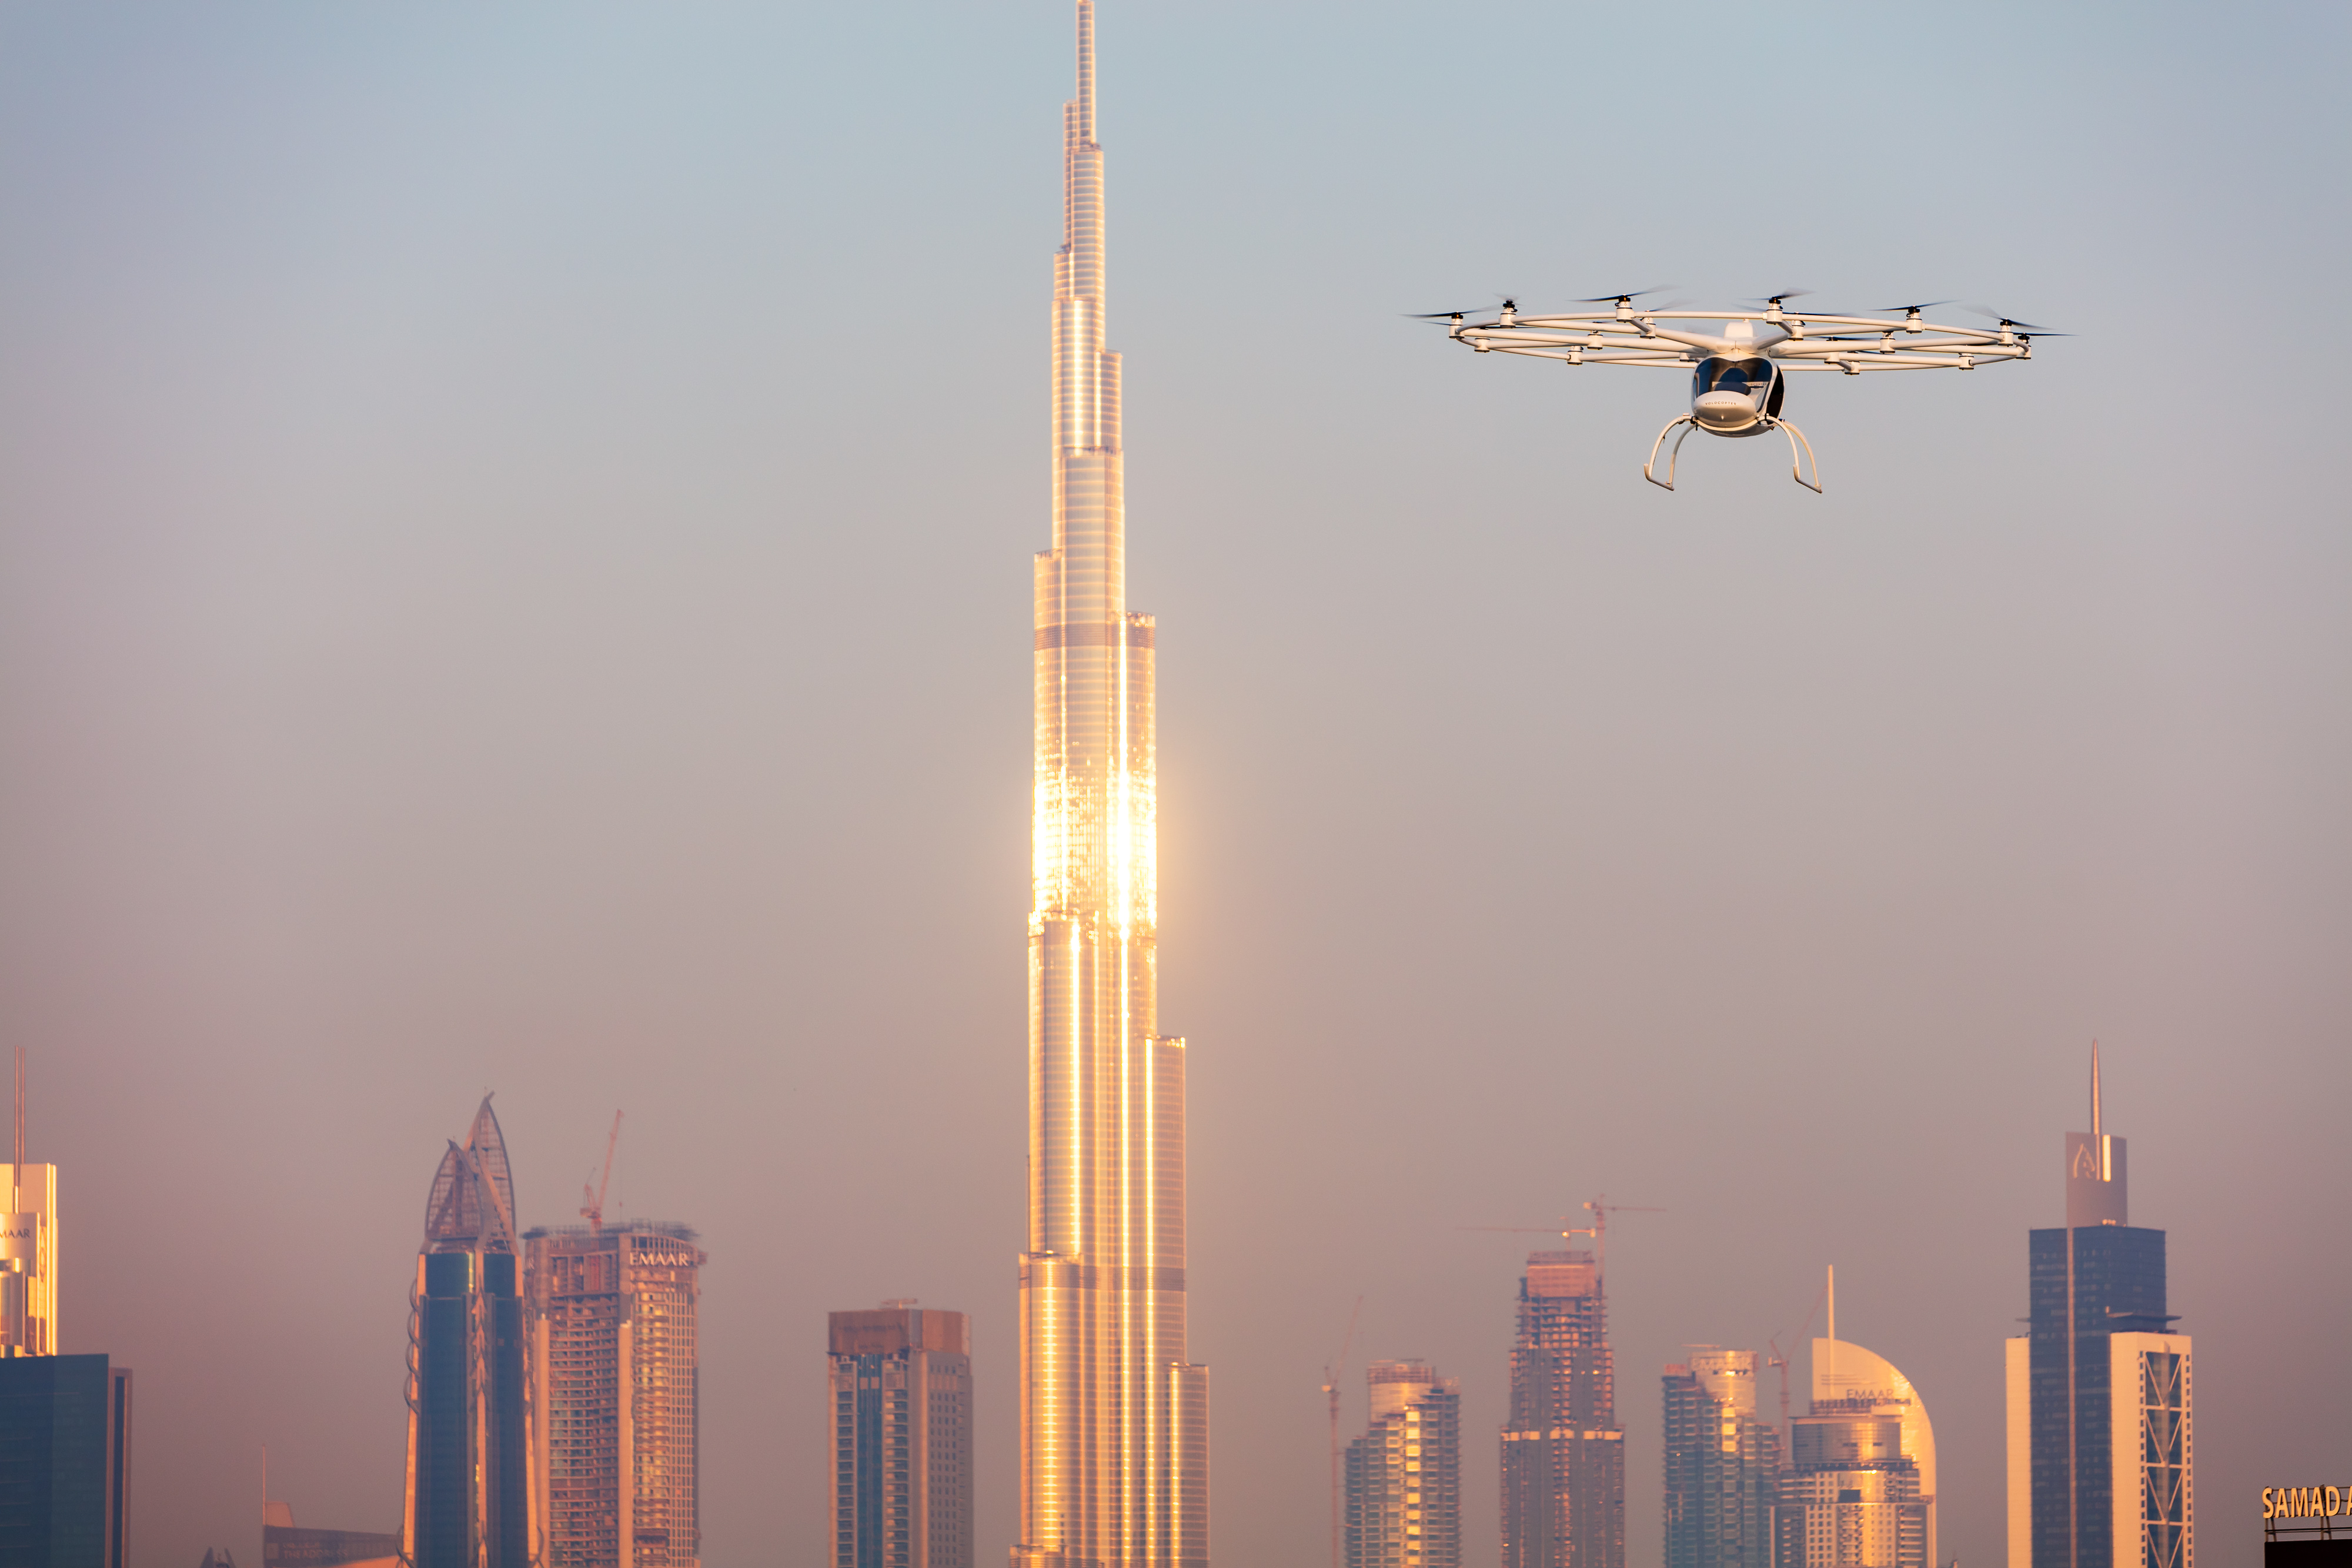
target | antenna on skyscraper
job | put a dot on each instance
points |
(16, 1170)
(1332, 1373)
(2095, 1128)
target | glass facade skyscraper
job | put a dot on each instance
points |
(469, 1491)
(2100, 1447)
(1721, 1464)
(1563, 1452)
(900, 1379)
(1859, 1489)
(64, 1462)
(1405, 1474)
(1114, 1417)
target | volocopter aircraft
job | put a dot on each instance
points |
(1740, 369)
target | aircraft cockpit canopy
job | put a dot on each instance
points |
(1757, 380)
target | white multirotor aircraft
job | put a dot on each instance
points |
(1739, 358)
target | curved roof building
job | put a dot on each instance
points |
(1861, 1490)
(1843, 1370)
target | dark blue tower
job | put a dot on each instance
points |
(2107, 1464)
(468, 1444)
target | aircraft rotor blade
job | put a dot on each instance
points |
(1990, 314)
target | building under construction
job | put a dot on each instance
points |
(1563, 1452)
(612, 1316)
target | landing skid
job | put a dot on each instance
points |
(1796, 467)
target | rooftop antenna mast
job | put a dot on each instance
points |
(1829, 1289)
(591, 1203)
(16, 1170)
(2095, 1128)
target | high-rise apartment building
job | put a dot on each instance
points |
(469, 1491)
(610, 1315)
(64, 1462)
(1563, 1452)
(2100, 1435)
(1859, 1489)
(901, 1382)
(1405, 1474)
(1114, 1417)
(1721, 1463)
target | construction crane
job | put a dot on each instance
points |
(1332, 1373)
(1601, 1208)
(592, 1201)
(1780, 1359)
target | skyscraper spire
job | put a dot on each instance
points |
(2096, 1129)
(2096, 1184)
(1114, 1427)
(2099, 1446)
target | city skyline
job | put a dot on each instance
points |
(458, 464)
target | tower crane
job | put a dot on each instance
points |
(592, 1203)
(1779, 1359)
(1332, 1373)
(1601, 1208)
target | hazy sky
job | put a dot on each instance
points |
(514, 533)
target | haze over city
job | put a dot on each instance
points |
(515, 535)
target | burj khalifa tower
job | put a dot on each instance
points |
(1114, 1418)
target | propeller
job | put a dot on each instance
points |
(1625, 294)
(1783, 297)
(1509, 307)
(1992, 315)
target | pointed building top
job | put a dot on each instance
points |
(2095, 1187)
(1085, 102)
(2095, 1128)
(487, 1146)
(472, 1203)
